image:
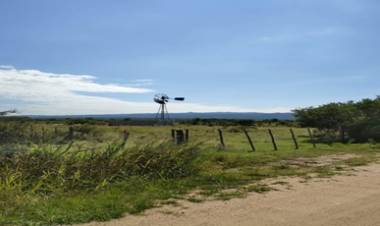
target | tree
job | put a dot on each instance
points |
(360, 119)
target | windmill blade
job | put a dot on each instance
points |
(179, 98)
(161, 98)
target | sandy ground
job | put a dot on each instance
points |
(342, 200)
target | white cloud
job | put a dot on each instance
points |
(60, 82)
(37, 92)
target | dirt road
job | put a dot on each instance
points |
(340, 201)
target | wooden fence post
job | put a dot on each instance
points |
(43, 134)
(173, 135)
(71, 133)
(221, 138)
(311, 137)
(31, 132)
(294, 138)
(273, 140)
(249, 140)
(179, 137)
(125, 136)
(186, 135)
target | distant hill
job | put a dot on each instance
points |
(189, 115)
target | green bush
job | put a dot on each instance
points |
(364, 130)
(361, 120)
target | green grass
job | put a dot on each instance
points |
(96, 178)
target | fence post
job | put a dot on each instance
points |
(249, 140)
(55, 132)
(294, 138)
(186, 135)
(273, 140)
(221, 138)
(179, 137)
(311, 137)
(173, 135)
(125, 136)
(71, 133)
(43, 134)
(31, 132)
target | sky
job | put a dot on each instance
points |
(112, 57)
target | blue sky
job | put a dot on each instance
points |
(91, 56)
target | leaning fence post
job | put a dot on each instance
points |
(221, 138)
(311, 137)
(249, 140)
(294, 138)
(273, 140)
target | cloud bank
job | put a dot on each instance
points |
(42, 93)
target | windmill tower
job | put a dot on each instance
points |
(163, 100)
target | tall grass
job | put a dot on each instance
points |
(46, 169)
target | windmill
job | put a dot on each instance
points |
(4, 113)
(162, 100)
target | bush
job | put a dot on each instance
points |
(364, 130)
(360, 119)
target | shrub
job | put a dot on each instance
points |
(364, 130)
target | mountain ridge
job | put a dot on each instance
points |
(187, 115)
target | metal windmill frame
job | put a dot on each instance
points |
(162, 100)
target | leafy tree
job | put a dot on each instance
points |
(360, 119)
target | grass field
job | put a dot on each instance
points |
(49, 179)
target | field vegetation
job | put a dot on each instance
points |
(67, 171)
